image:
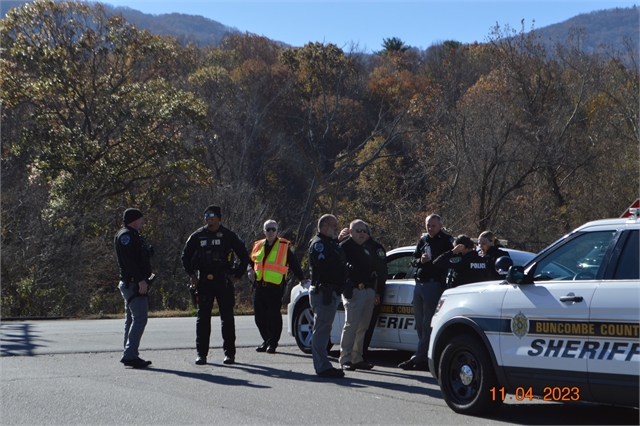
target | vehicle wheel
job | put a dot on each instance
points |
(467, 376)
(302, 325)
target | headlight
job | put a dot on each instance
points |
(440, 303)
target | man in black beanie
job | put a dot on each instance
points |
(134, 259)
(208, 259)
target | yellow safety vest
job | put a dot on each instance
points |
(274, 267)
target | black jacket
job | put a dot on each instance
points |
(380, 260)
(327, 261)
(492, 254)
(440, 244)
(134, 255)
(212, 252)
(362, 262)
(465, 269)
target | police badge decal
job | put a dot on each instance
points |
(520, 325)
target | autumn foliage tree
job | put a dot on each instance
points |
(517, 136)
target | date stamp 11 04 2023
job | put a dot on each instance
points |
(555, 393)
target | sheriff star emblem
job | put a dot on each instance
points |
(520, 325)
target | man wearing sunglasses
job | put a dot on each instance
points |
(271, 259)
(208, 258)
(358, 296)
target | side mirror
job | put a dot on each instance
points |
(503, 264)
(516, 275)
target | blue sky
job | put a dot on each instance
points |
(419, 23)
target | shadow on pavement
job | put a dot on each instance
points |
(18, 339)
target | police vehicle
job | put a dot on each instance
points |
(396, 328)
(564, 327)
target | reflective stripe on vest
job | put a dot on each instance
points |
(274, 267)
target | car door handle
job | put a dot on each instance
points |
(571, 299)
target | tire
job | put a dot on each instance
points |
(467, 376)
(302, 325)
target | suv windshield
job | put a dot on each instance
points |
(577, 259)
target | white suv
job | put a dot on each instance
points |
(562, 328)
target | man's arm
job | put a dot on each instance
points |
(187, 255)
(294, 264)
(452, 259)
(241, 251)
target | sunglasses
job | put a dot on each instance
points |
(271, 229)
(361, 231)
(209, 215)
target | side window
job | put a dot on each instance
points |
(399, 266)
(628, 264)
(578, 259)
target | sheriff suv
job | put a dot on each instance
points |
(564, 327)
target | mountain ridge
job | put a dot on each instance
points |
(602, 27)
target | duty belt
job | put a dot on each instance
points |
(327, 286)
(264, 284)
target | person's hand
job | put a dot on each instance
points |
(344, 234)
(251, 274)
(194, 281)
(458, 249)
(376, 300)
(425, 258)
(233, 279)
(143, 287)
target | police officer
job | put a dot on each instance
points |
(490, 249)
(430, 283)
(328, 274)
(134, 260)
(357, 297)
(464, 263)
(208, 259)
(271, 259)
(380, 260)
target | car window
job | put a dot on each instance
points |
(628, 263)
(577, 259)
(399, 266)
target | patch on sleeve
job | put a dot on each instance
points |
(125, 239)
(455, 259)
(381, 253)
(319, 247)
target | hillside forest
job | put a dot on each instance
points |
(513, 136)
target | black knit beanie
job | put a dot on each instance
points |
(214, 209)
(130, 215)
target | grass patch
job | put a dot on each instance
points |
(191, 312)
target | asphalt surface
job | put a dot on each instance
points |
(67, 373)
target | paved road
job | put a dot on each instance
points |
(67, 373)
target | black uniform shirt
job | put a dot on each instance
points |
(492, 254)
(468, 268)
(134, 255)
(327, 261)
(380, 260)
(439, 244)
(362, 262)
(210, 252)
